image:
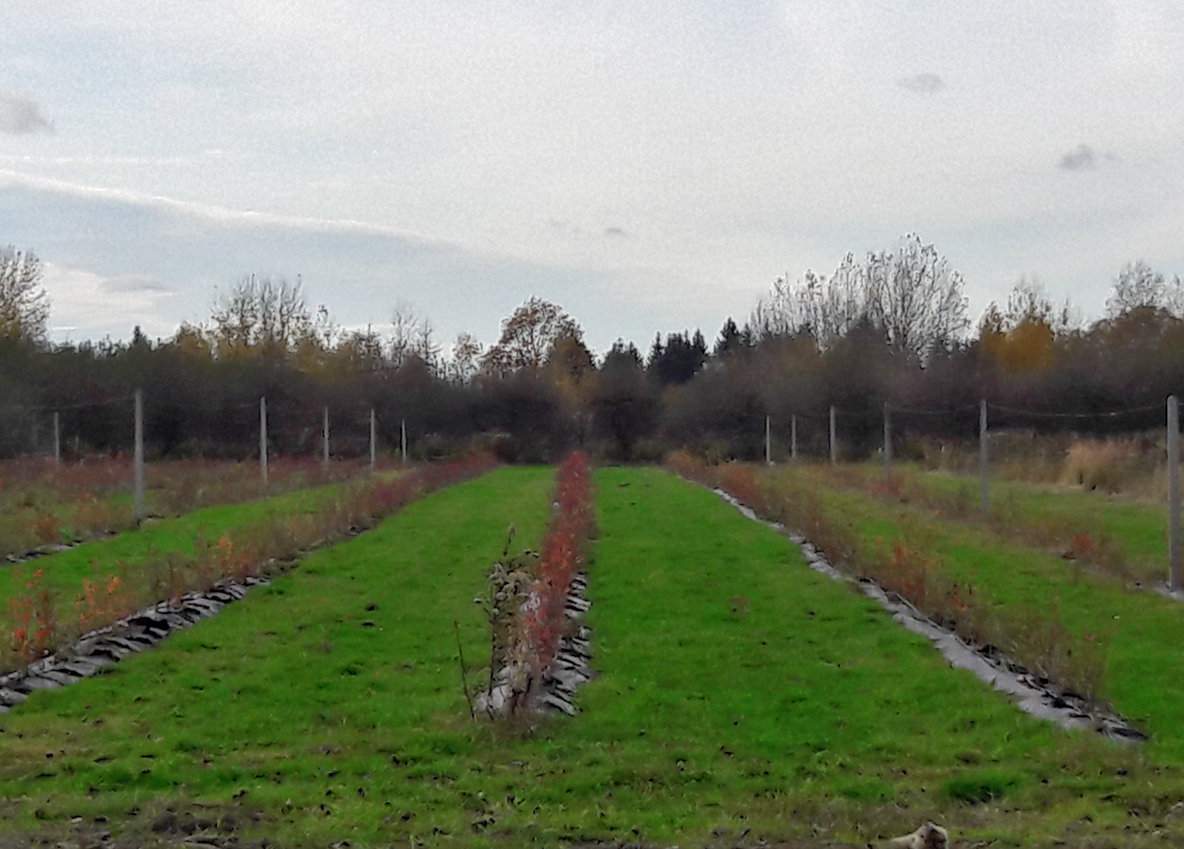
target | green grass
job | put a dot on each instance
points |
(1137, 530)
(65, 571)
(42, 503)
(1144, 677)
(338, 676)
(737, 689)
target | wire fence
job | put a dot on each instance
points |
(981, 420)
(130, 426)
(222, 430)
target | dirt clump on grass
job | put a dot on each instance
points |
(193, 827)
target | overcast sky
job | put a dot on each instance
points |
(648, 165)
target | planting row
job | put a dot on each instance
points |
(44, 506)
(1124, 537)
(1081, 630)
(1034, 693)
(52, 604)
(539, 649)
(103, 648)
(323, 707)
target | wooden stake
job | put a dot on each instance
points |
(325, 438)
(1174, 548)
(983, 458)
(834, 442)
(138, 474)
(373, 440)
(263, 439)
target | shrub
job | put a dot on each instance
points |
(47, 528)
(563, 555)
(34, 619)
(103, 602)
(527, 596)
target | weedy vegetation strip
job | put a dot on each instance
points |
(1122, 536)
(50, 611)
(45, 507)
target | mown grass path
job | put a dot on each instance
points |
(738, 690)
(743, 690)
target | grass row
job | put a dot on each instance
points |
(48, 602)
(64, 572)
(738, 691)
(1122, 535)
(327, 703)
(1136, 636)
(43, 504)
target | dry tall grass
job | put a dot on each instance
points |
(1133, 466)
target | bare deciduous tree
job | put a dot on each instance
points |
(413, 337)
(267, 314)
(1138, 286)
(916, 297)
(24, 306)
(911, 294)
(465, 359)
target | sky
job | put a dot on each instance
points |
(650, 166)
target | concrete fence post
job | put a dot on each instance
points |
(138, 461)
(793, 437)
(57, 438)
(1174, 551)
(834, 441)
(887, 436)
(983, 457)
(768, 441)
(325, 437)
(373, 440)
(263, 439)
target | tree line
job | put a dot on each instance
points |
(888, 327)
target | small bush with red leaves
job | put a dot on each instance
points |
(563, 555)
(527, 597)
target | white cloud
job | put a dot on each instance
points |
(212, 212)
(735, 144)
(86, 305)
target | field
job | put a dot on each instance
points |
(45, 505)
(740, 696)
(1122, 535)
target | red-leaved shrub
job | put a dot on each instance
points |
(562, 556)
